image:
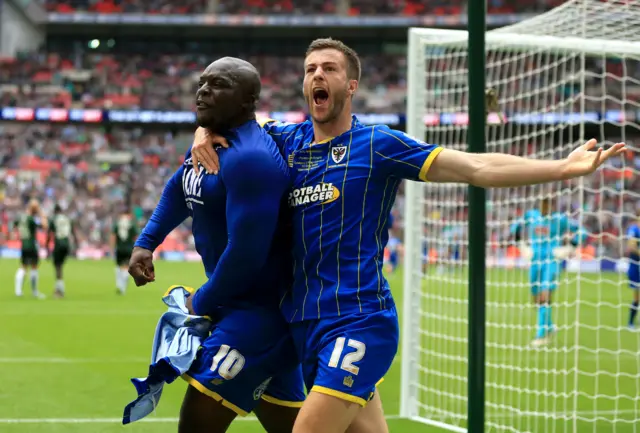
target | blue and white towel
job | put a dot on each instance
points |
(175, 345)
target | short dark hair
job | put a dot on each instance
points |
(354, 69)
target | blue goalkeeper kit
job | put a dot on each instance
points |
(241, 229)
(344, 321)
(545, 233)
(175, 346)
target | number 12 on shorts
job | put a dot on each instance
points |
(350, 358)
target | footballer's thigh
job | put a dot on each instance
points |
(202, 414)
(370, 419)
(276, 418)
(322, 413)
(283, 396)
(59, 258)
(343, 360)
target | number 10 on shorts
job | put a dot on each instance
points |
(350, 358)
(232, 364)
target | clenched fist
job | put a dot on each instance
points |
(141, 266)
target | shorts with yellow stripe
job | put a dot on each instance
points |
(249, 356)
(347, 356)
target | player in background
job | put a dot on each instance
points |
(60, 231)
(241, 229)
(551, 236)
(345, 178)
(450, 252)
(27, 225)
(633, 273)
(123, 238)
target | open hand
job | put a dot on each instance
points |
(202, 150)
(141, 266)
(583, 161)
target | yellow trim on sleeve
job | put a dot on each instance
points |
(427, 163)
(339, 394)
(264, 121)
(214, 395)
(285, 403)
(379, 382)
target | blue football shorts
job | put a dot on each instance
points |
(543, 276)
(249, 355)
(633, 273)
(347, 356)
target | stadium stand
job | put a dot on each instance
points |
(168, 82)
(353, 7)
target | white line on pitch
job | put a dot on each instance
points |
(110, 420)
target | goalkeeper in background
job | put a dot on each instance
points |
(633, 273)
(552, 236)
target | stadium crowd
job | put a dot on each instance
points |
(351, 7)
(162, 81)
(93, 174)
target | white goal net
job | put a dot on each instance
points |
(561, 78)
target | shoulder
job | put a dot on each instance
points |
(276, 127)
(259, 162)
(385, 136)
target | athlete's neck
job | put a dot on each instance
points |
(326, 131)
(222, 129)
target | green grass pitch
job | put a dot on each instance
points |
(66, 363)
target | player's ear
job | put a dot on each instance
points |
(353, 87)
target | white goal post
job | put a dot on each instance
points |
(561, 78)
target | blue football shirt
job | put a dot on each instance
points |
(240, 224)
(342, 194)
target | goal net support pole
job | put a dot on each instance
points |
(546, 75)
(477, 229)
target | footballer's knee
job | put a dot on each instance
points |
(370, 419)
(276, 418)
(202, 414)
(323, 413)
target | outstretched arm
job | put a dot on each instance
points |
(501, 170)
(255, 187)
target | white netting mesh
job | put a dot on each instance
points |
(588, 378)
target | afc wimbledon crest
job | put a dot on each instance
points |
(338, 153)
